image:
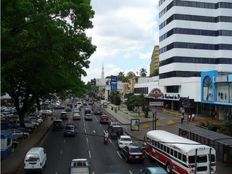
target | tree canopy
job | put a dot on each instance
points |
(143, 72)
(44, 48)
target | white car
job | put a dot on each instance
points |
(79, 166)
(35, 159)
(124, 140)
(76, 116)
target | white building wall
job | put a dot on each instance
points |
(190, 86)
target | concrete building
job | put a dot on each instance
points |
(154, 65)
(195, 36)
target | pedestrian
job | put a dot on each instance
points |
(190, 117)
(182, 118)
(193, 117)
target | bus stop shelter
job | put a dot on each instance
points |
(220, 142)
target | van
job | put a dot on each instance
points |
(35, 159)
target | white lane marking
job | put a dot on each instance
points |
(87, 140)
(92, 172)
(119, 154)
(85, 130)
(130, 172)
(89, 154)
(64, 141)
(61, 152)
(94, 132)
(110, 141)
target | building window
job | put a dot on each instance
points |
(172, 89)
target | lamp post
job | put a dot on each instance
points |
(154, 118)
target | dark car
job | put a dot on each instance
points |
(64, 115)
(69, 130)
(115, 131)
(57, 125)
(87, 111)
(132, 154)
(104, 119)
(98, 112)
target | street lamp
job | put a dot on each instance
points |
(154, 118)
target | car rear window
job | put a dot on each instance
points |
(32, 158)
(125, 139)
(135, 150)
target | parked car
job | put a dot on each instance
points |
(132, 154)
(64, 115)
(76, 116)
(153, 170)
(19, 133)
(88, 117)
(115, 131)
(35, 159)
(79, 166)
(69, 130)
(104, 119)
(29, 125)
(57, 125)
(124, 140)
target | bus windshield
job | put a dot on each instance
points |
(200, 159)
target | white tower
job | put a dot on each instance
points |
(102, 73)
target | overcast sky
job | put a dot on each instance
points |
(125, 32)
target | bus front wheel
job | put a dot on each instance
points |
(168, 168)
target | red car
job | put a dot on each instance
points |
(104, 119)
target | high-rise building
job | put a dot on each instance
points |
(154, 65)
(195, 36)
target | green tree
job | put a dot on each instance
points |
(122, 77)
(44, 49)
(143, 72)
(130, 75)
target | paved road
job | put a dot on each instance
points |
(87, 144)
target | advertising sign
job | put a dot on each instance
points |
(135, 124)
(113, 83)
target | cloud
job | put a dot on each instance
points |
(123, 30)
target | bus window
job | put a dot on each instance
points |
(161, 147)
(165, 148)
(156, 144)
(171, 152)
(184, 158)
(200, 159)
(179, 156)
(168, 149)
(212, 158)
(175, 154)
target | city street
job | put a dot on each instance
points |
(88, 143)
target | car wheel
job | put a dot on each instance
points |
(127, 159)
(168, 168)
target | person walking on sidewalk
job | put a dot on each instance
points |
(182, 118)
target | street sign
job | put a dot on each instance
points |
(158, 103)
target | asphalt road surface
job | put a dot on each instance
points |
(88, 143)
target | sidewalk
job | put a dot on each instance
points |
(14, 161)
(124, 119)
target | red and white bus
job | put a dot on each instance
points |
(180, 155)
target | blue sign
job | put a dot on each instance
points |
(114, 78)
(113, 83)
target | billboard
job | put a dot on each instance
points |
(113, 83)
